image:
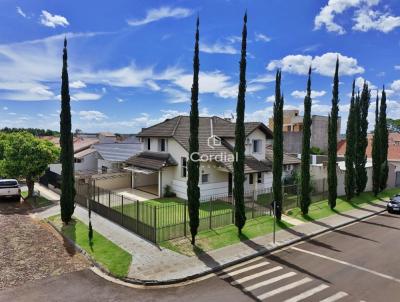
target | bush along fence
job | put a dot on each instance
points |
(168, 218)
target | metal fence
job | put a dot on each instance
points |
(160, 221)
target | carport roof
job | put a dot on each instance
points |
(151, 160)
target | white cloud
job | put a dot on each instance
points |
(49, 20)
(177, 95)
(266, 78)
(21, 12)
(5, 108)
(219, 48)
(395, 85)
(85, 96)
(261, 37)
(365, 18)
(360, 83)
(301, 94)
(397, 67)
(368, 19)
(164, 12)
(323, 65)
(92, 115)
(270, 99)
(77, 84)
(119, 100)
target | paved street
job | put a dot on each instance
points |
(356, 263)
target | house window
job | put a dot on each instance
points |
(78, 160)
(204, 178)
(184, 166)
(162, 145)
(148, 144)
(259, 177)
(256, 146)
(104, 169)
(251, 181)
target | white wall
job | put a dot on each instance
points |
(89, 162)
(256, 135)
(114, 182)
(140, 180)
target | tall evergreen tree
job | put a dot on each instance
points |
(376, 152)
(332, 140)
(67, 199)
(305, 199)
(277, 147)
(239, 150)
(384, 137)
(362, 140)
(349, 182)
(193, 190)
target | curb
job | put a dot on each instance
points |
(154, 283)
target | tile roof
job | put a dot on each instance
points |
(287, 159)
(393, 146)
(151, 160)
(83, 153)
(80, 143)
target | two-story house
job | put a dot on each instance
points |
(165, 155)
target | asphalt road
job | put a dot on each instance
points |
(357, 263)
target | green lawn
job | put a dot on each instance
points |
(105, 252)
(224, 236)
(171, 210)
(37, 202)
(321, 209)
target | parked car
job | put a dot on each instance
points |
(394, 204)
(9, 188)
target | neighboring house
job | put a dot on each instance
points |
(107, 137)
(84, 157)
(293, 131)
(290, 162)
(111, 156)
(393, 156)
(166, 152)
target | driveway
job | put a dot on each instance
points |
(30, 250)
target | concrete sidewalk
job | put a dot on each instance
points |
(153, 263)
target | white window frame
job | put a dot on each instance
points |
(148, 147)
(259, 146)
(251, 179)
(259, 177)
(183, 167)
(160, 140)
(207, 176)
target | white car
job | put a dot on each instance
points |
(9, 188)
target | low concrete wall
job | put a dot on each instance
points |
(113, 181)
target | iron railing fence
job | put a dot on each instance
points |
(158, 221)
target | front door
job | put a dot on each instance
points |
(230, 184)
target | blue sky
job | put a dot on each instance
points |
(130, 62)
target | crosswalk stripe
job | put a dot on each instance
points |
(233, 267)
(269, 281)
(263, 273)
(308, 293)
(335, 297)
(283, 288)
(245, 269)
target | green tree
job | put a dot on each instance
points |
(193, 190)
(384, 137)
(332, 140)
(362, 139)
(305, 199)
(277, 147)
(393, 125)
(376, 159)
(24, 156)
(67, 200)
(349, 180)
(239, 149)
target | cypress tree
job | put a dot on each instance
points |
(384, 137)
(278, 147)
(376, 159)
(349, 181)
(67, 199)
(305, 154)
(239, 150)
(193, 190)
(332, 140)
(362, 140)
